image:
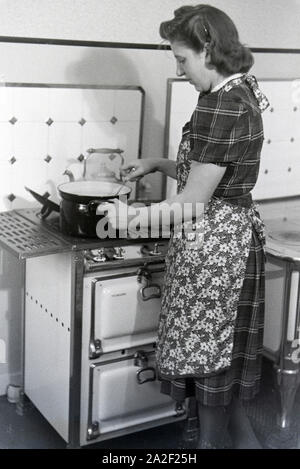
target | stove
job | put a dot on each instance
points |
(90, 318)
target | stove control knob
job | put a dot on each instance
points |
(119, 253)
(100, 256)
(155, 251)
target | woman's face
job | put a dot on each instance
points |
(192, 65)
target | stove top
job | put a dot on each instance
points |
(25, 234)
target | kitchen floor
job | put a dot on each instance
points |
(31, 430)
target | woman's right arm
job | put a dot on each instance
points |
(139, 168)
(168, 167)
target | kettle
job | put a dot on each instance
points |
(100, 170)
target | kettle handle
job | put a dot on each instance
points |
(105, 150)
(121, 164)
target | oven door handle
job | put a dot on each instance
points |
(142, 380)
(148, 292)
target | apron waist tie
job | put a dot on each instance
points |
(246, 201)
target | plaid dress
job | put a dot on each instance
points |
(211, 326)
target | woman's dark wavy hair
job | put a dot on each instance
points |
(198, 25)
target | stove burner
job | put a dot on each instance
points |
(287, 237)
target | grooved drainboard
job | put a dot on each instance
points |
(23, 237)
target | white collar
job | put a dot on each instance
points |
(220, 85)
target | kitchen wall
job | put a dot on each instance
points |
(262, 23)
(259, 22)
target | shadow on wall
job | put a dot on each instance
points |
(118, 67)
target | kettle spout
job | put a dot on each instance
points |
(69, 173)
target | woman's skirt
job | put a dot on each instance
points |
(242, 377)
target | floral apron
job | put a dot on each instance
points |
(205, 269)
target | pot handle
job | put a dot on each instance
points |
(91, 205)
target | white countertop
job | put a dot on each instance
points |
(282, 220)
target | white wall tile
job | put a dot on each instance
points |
(98, 105)
(6, 141)
(31, 173)
(65, 140)
(294, 119)
(283, 92)
(65, 104)
(293, 163)
(31, 104)
(277, 124)
(99, 135)
(30, 140)
(128, 105)
(275, 179)
(5, 185)
(127, 138)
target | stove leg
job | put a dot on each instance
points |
(23, 405)
(287, 385)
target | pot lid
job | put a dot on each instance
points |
(94, 188)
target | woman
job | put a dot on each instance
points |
(211, 324)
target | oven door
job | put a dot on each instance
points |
(125, 311)
(124, 393)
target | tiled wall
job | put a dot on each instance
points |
(46, 129)
(279, 174)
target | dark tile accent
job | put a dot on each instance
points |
(12, 160)
(11, 197)
(113, 120)
(13, 120)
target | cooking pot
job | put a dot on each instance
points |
(79, 203)
(80, 199)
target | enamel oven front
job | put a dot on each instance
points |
(120, 392)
